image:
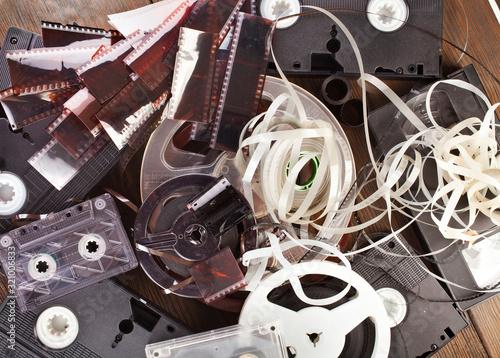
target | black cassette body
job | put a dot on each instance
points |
(431, 320)
(66, 251)
(100, 309)
(16, 147)
(388, 127)
(313, 46)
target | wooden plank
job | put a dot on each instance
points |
(486, 320)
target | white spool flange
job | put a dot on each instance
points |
(95, 251)
(394, 303)
(42, 273)
(13, 194)
(57, 327)
(274, 9)
(387, 15)
(332, 326)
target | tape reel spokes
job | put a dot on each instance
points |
(332, 331)
(170, 238)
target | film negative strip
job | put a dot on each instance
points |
(147, 59)
(449, 106)
(192, 218)
(194, 69)
(58, 166)
(72, 134)
(27, 109)
(109, 64)
(74, 326)
(40, 70)
(83, 105)
(125, 114)
(262, 340)
(422, 317)
(15, 39)
(59, 35)
(244, 79)
(412, 30)
(67, 251)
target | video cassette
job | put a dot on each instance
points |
(109, 320)
(263, 340)
(459, 263)
(66, 251)
(399, 38)
(422, 317)
(17, 146)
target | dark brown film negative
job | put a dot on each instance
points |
(125, 113)
(85, 106)
(147, 59)
(193, 74)
(160, 94)
(58, 35)
(214, 16)
(106, 74)
(27, 109)
(71, 134)
(42, 70)
(244, 79)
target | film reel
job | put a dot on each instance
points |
(171, 153)
(184, 231)
(355, 326)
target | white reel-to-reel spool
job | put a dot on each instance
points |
(164, 160)
(316, 331)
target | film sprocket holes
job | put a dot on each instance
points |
(112, 323)
(314, 45)
(16, 147)
(420, 312)
(389, 127)
(67, 251)
(261, 340)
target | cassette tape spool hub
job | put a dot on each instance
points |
(13, 194)
(316, 331)
(57, 327)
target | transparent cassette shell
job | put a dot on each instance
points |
(64, 252)
(263, 340)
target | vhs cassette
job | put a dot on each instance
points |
(66, 251)
(17, 146)
(109, 320)
(263, 340)
(403, 40)
(458, 263)
(421, 315)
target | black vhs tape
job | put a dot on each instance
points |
(473, 267)
(18, 146)
(398, 37)
(421, 315)
(108, 320)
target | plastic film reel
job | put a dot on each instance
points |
(314, 331)
(57, 327)
(13, 194)
(179, 239)
(170, 153)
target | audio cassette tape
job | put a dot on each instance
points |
(66, 251)
(395, 37)
(263, 340)
(101, 320)
(421, 315)
(460, 264)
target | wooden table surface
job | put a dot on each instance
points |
(482, 42)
